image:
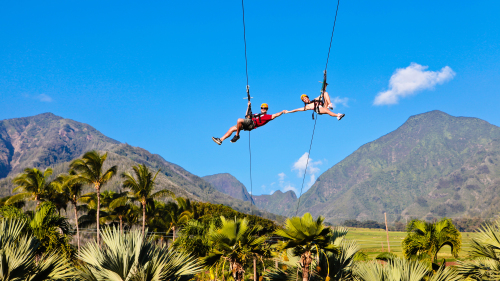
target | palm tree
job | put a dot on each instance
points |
(33, 184)
(397, 269)
(119, 208)
(429, 238)
(306, 237)
(142, 186)
(18, 204)
(485, 254)
(90, 171)
(179, 214)
(70, 190)
(18, 252)
(51, 230)
(235, 242)
(132, 257)
(193, 239)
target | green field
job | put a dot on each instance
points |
(374, 242)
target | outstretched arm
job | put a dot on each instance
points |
(249, 110)
(278, 114)
(295, 110)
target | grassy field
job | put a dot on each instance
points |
(374, 242)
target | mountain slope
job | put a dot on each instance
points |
(410, 165)
(229, 185)
(278, 202)
(48, 140)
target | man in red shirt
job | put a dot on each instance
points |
(250, 122)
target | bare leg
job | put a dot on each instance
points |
(326, 96)
(237, 129)
(324, 110)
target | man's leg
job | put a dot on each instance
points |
(237, 129)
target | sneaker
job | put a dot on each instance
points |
(235, 138)
(217, 140)
(340, 116)
(330, 106)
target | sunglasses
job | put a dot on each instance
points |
(263, 108)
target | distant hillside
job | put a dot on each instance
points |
(434, 165)
(278, 202)
(49, 140)
(229, 185)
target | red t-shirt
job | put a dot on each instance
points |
(261, 120)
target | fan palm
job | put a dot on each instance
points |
(131, 257)
(485, 254)
(306, 237)
(141, 187)
(430, 238)
(402, 270)
(235, 242)
(18, 252)
(90, 169)
(33, 184)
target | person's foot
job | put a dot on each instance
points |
(217, 140)
(340, 116)
(235, 138)
(330, 106)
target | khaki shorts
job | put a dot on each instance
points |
(248, 124)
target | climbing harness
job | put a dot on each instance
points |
(249, 113)
(323, 89)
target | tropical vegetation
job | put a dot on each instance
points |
(142, 232)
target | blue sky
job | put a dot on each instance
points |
(169, 75)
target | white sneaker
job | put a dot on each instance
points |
(330, 106)
(340, 116)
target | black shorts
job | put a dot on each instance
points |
(248, 124)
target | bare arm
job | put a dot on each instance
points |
(278, 114)
(249, 109)
(295, 110)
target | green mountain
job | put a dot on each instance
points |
(278, 202)
(434, 165)
(229, 185)
(48, 140)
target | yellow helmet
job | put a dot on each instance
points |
(303, 96)
(264, 105)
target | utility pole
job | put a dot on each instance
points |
(387, 232)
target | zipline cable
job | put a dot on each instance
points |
(316, 119)
(248, 95)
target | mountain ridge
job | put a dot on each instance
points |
(47, 140)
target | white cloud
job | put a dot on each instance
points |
(40, 97)
(407, 81)
(300, 165)
(43, 97)
(289, 187)
(312, 168)
(338, 100)
(281, 176)
(271, 193)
